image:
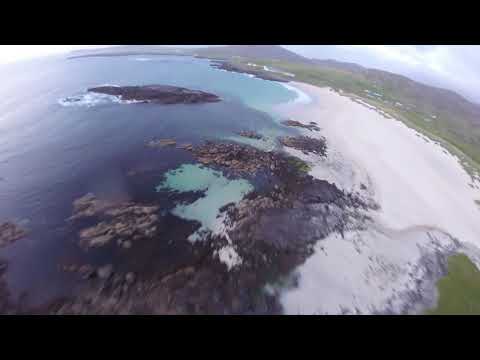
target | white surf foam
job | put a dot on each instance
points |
(89, 99)
(302, 97)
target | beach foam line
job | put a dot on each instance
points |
(302, 97)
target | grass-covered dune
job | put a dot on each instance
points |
(459, 291)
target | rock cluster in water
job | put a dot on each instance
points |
(305, 144)
(159, 94)
(294, 123)
(123, 222)
(277, 230)
(240, 159)
(161, 143)
(10, 232)
(250, 134)
(272, 231)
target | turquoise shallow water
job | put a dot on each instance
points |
(219, 191)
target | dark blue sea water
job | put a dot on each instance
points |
(51, 154)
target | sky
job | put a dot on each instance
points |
(451, 67)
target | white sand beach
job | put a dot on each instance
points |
(426, 201)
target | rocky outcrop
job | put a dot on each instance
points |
(240, 159)
(161, 143)
(204, 288)
(294, 123)
(305, 144)
(10, 232)
(276, 231)
(158, 94)
(250, 134)
(121, 222)
(272, 231)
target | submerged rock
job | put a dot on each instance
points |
(10, 232)
(123, 221)
(186, 146)
(159, 94)
(250, 134)
(161, 143)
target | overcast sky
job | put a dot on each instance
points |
(453, 67)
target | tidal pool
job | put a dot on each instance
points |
(219, 191)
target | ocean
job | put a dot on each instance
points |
(53, 151)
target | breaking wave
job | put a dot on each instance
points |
(90, 99)
(302, 98)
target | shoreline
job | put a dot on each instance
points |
(423, 196)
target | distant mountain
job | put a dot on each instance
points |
(271, 52)
(130, 50)
(339, 65)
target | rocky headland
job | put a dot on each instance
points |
(158, 94)
(261, 74)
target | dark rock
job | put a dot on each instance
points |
(305, 144)
(294, 123)
(240, 159)
(123, 221)
(186, 146)
(161, 143)
(86, 271)
(10, 232)
(250, 134)
(159, 94)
